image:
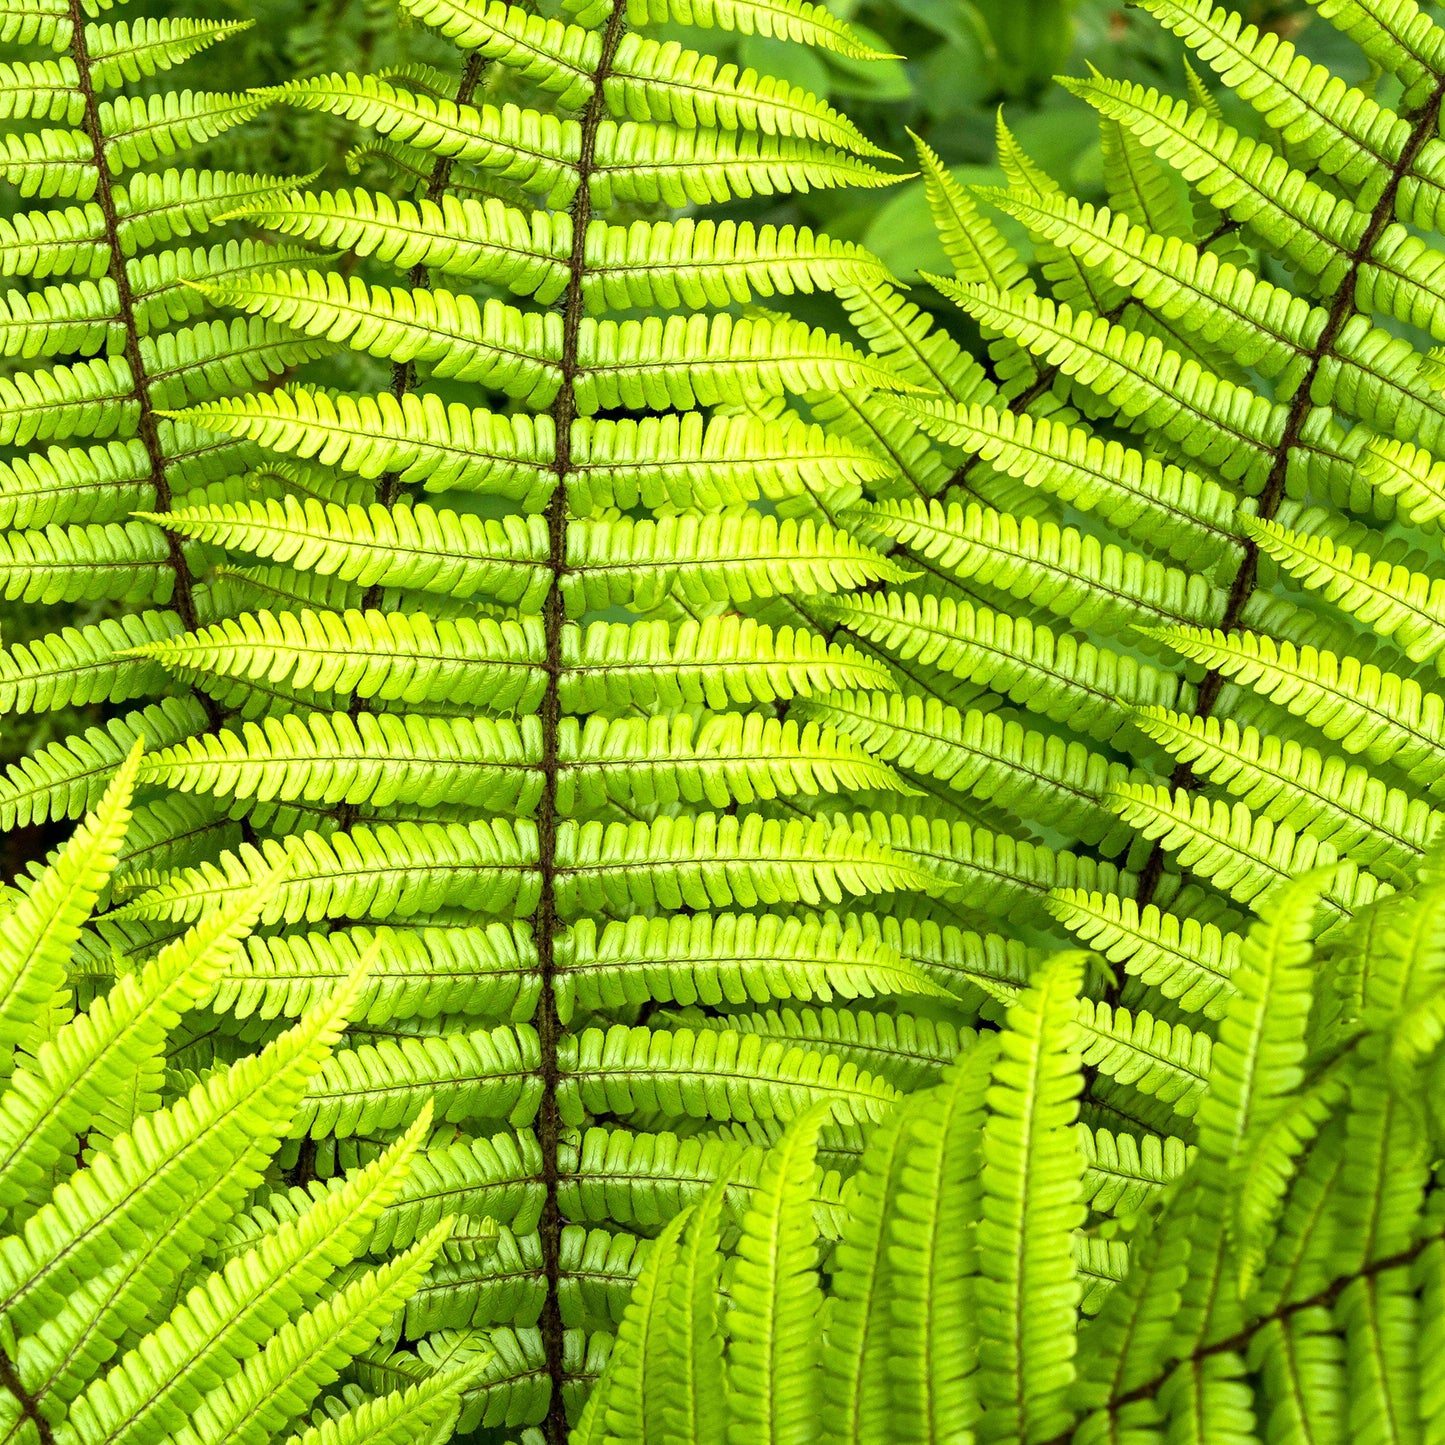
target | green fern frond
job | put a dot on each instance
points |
(1193, 517)
(1385, 716)
(1030, 1186)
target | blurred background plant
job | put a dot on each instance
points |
(960, 66)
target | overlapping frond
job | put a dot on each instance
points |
(482, 643)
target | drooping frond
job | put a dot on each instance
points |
(116, 1179)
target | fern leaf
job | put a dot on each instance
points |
(718, 660)
(357, 874)
(1054, 676)
(1366, 710)
(933, 1253)
(1288, 782)
(981, 754)
(416, 547)
(796, 20)
(980, 255)
(112, 1051)
(44, 926)
(1154, 502)
(726, 958)
(1027, 1294)
(381, 656)
(66, 779)
(773, 1364)
(146, 46)
(709, 1074)
(1406, 607)
(735, 555)
(711, 860)
(1244, 855)
(447, 332)
(484, 1074)
(1059, 568)
(482, 240)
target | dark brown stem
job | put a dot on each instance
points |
(1426, 123)
(1241, 1339)
(549, 1024)
(183, 597)
(1246, 578)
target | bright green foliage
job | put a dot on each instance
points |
(1174, 629)
(1281, 1282)
(148, 1292)
(104, 327)
(499, 629)
(710, 716)
(1176, 615)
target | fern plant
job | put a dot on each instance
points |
(1283, 1285)
(1174, 636)
(150, 1294)
(495, 663)
(103, 328)
(1175, 644)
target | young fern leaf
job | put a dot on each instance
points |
(44, 927)
(115, 1183)
(773, 1363)
(1030, 1202)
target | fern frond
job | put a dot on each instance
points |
(718, 660)
(44, 926)
(709, 1074)
(386, 656)
(796, 20)
(86, 664)
(1191, 517)
(414, 435)
(1244, 855)
(1404, 606)
(67, 778)
(1387, 717)
(422, 972)
(984, 755)
(731, 959)
(932, 1250)
(1168, 1063)
(1055, 676)
(390, 871)
(416, 547)
(715, 860)
(1059, 568)
(1027, 1295)
(773, 1365)
(1289, 782)
(1181, 957)
(734, 555)
(134, 50)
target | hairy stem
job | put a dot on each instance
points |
(549, 1025)
(183, 597)
(1242, 589)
